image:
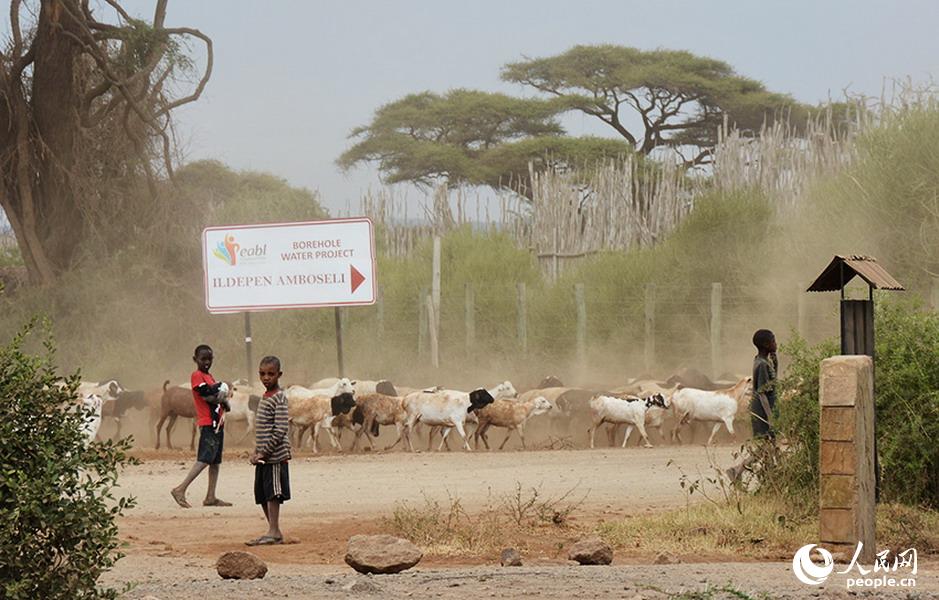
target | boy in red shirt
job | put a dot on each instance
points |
(210, 416)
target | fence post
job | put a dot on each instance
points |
(580, 300)
(554, 257)
(800, 311)
(934, 294)
(380, 314)
(522, 313)
(434, 342)
(435, 290)
(469, 316)
(717, 363)
(421, 322)
(650, 328)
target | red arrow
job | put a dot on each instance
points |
(357, 278)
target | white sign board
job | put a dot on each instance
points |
(289, 265)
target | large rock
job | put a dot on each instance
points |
(240, 565)
(381, 554)
(591, 551)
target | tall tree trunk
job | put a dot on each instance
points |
(55, 98)
(40, 130)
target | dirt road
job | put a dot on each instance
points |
(171, 551)
(370, 484)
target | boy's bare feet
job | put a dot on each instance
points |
(180, 498)
(215, 502)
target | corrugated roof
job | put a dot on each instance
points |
(866, 267)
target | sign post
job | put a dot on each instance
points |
(248, 346)
(339, 342)
(276, 266)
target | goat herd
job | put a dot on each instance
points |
(362, 407)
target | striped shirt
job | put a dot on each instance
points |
(271, 440)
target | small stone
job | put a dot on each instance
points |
(381, 554)
(329, 581)
(510, 558)
(362, 586)
(666, 558)
(240, 565)
(591, 551)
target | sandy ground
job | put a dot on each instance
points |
(357, 484)
(171, 551)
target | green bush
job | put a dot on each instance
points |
(906, 404)
(58, 532)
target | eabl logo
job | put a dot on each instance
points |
(229, 251)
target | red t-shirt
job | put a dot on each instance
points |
(203, 410)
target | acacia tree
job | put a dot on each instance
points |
(85, 116)
(470, 137)
(681, 99)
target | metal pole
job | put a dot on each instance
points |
(339, 342)
(250, 361)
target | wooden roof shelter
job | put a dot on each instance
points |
(843, 269)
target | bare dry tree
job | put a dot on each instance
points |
(85, 119)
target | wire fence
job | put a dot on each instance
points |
(580, 334)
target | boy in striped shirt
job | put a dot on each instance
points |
(271, 452)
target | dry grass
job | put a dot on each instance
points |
(763, 528)
(760, 529)
(754, 527)
(524, 519)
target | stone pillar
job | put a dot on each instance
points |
(846, 455)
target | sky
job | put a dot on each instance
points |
(292, 77)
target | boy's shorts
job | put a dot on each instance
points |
(210, 445)
(271, 483)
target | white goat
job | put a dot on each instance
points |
(630, 410)
(718, 406)
(446, 408)
(92, 420)
(239, 399)
(511, 414)
(501, 391)
(655, 415)
(107, 390)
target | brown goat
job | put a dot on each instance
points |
(175, 402)
(378, 409)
